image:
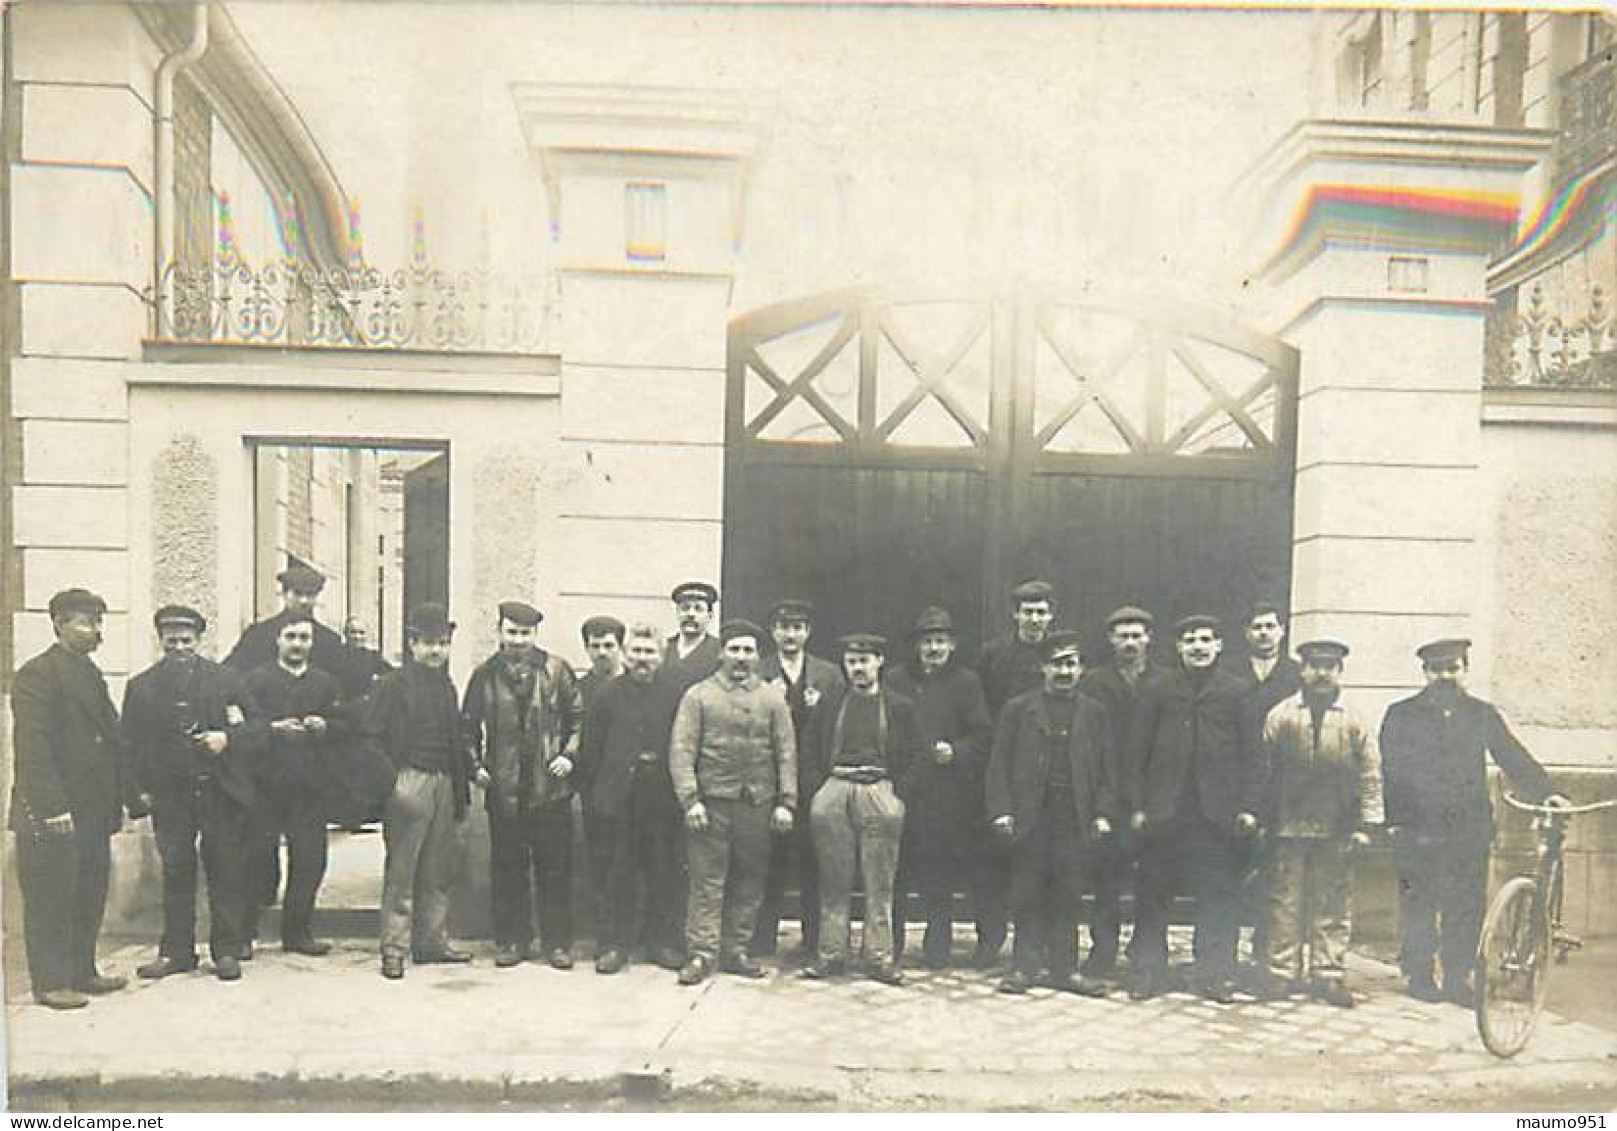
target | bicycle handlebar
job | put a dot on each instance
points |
(1557, 810)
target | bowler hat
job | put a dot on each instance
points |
(429, 619)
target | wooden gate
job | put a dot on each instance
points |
(883, 455)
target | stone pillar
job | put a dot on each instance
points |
(1373, 240)
(646, 191)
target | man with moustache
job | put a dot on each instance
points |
(1191, 785)
(522, 713)
(66, 802)
(191, 749)
(1118, 686)
(297, 704)
(1050, 795)
(631, 819)
(1434, 750)
(692, 653)
(806, 680)
(861, 749)
(603, 646)
(939, 855)
(734, 763)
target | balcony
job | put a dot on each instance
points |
(1573, 346)
(1588, 116)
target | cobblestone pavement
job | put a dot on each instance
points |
(523, 1036)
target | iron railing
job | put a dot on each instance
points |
(1570, 349)
(1588, 116)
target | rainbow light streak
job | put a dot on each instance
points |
(227, 228)
(1396, 218)
(356, 240)
(1594, 193)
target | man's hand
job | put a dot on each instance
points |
(212, 741)
(60, 825)
(1137, 820)
(781, 820)
(1103, 827)
(696, 817)
(561, 767)
(481, 777)
(943, 753)
(315, 725)
(1005, 826)
(1557, 801)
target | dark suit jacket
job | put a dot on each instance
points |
(256, 649)
(625, 719)
(68, 750)
(1436, 768)
(1019, 766)
(160, 757)
(1189, 739)
(905, 746)
(822, 675)
(696, 667)
(1108, 688)
(950, 707)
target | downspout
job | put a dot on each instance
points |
(163, 150)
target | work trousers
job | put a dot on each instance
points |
(296, 812)
(639, 869)
(728, 863)
(1305, 925)
(64, 895)
(939, 857)
(527, 849)
(1215, 863)
(790, 857)
(1447, 880)
(422, 838)
(1049, 870)
(184, 814)
(857, 829)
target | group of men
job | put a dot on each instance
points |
(714, 770)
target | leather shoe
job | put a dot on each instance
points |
(1015, 982)
(163, 966)
(393, 966)
(609, 962)
(668, 958)
(448, 956)
(742, 964)
(507, 957)
(1145, 985)
(1080, 985)
(62, 999)
(694, 971)
(818, 969)
(1333, 992)
(1425, 989)
(1221, 992)
(561, 958)
(313, 947)
(887, 973)
(227, 968)
(101, 984)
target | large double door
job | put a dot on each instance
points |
(887, 454)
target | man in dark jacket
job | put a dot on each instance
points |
(66, 802)
(1050, 794)
(692, 653)
(1118, 686)
(1434, 758)
(861, 749)
(522, 713)
(806, 681)
(631, 819)
(603, 648)
(299, 706)
(940, 852)
(191, 749)
(1192, 786)
(413, 720)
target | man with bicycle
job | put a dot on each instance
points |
(1434, 750)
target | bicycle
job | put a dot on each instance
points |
(1521, 929)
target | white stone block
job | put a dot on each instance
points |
(616, 403)
(635, 558)
(645, 480)
(55, 389)
(47, 571)
(32, 634)
(83, 43)
(1372, 426)
(1404, 346)
(76, 453)
(1391, 502)
(80, 225)
(70, 517)
(82, 320)
(1354, 575)
(628, 319)
(88, 125)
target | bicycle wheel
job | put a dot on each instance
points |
(1512, 967)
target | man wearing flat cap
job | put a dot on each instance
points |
(1117, 685)
(734, 763)
(1434, 755)
(523, 712)
(944, 807)
(1050, 794)
(1321, 797)
(191, 748)
(414, 723)
(67, 799)
(692, 653)
(806, 680)
(861, 747)
(603, 648)
(1191, 781)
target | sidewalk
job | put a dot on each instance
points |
(330, 1033)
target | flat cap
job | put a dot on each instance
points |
(933, 618)
(301, 579)
(70, 601)
(792, 608)
(1195, 621)
(1130, 614)
(429, 619)
(183, 615)
(868, 643)
(1322, 649)
(1064, 642)
(601, 625)
(731, 629)
(698, 589)
(520, 612)
(1034, 590)
(1451, 648)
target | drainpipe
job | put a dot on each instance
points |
(163, 151)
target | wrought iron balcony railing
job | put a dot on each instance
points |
(293, 302)
(1537, 346)
(1588, 116)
